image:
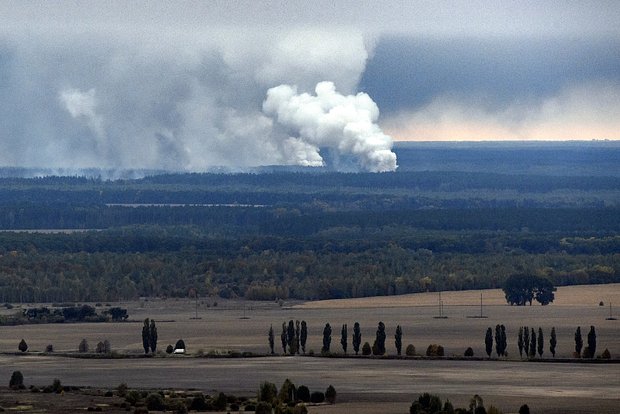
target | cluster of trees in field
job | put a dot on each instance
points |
(520, 289)
(428, 403)
(62, 314)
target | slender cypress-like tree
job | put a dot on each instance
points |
(552, 342)
(398, 339)
(526, 340)
(541, 342)
(520, 341)
(578, 341)
(591, 342)
(532, 353)
(153, 336)
(488, 341)
(283, 338)
(327, 338)
(146, 335)
(272, 339)
(303, 336)
(357, 337)
(504, 341)
(290, 337)
(297, 335)
(344, 338)
(378, 347)
(498, 341)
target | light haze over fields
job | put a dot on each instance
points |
(187, 86)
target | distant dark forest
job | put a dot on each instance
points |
(286, 232)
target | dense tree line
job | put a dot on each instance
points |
(302, 234)
(37, 268)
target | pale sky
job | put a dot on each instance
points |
(181, 84)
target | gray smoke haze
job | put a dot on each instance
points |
(189, 103)
(183, 85)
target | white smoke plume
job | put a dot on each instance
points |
(345, 124)
(161, 99)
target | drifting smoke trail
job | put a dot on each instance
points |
(345, 124)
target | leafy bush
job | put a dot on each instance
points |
(169, 349)
(426, 403)
(179, 345)
(133, 397)
(469, 352)
(300, 409)
(262, 407)
(317, 397)
(49, 348)
(606, 354)
(83, 346)
(17, 381)
(23, 346)
(435, 350)
(267, 391)
(155, 402)
(410, 350)
(198, 403)
(330, 394)
(303, 393)
(288, 392)
(219, 403)
(366, 349)
(121, 390)
(57, 386)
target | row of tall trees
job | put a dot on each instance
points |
(295, 334)
(531, 342)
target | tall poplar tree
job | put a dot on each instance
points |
(153, 336)
(541, 342)
(357, 337)
(271, 339)
(145, 335)
(578, 341)
(398, 339)
(488, 341)
(290, 337)
(591, 342)
(283, 337)
(327, 338)
(303, 336)
(520, 341)
(552, 342)
(526, 340)
(532, 353)
(378, 347)
(344, 337)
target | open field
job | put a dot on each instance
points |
(384, 386)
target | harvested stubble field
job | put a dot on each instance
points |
(364, 385)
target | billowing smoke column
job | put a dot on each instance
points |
(328, 119)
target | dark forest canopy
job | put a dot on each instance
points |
(306, 234)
